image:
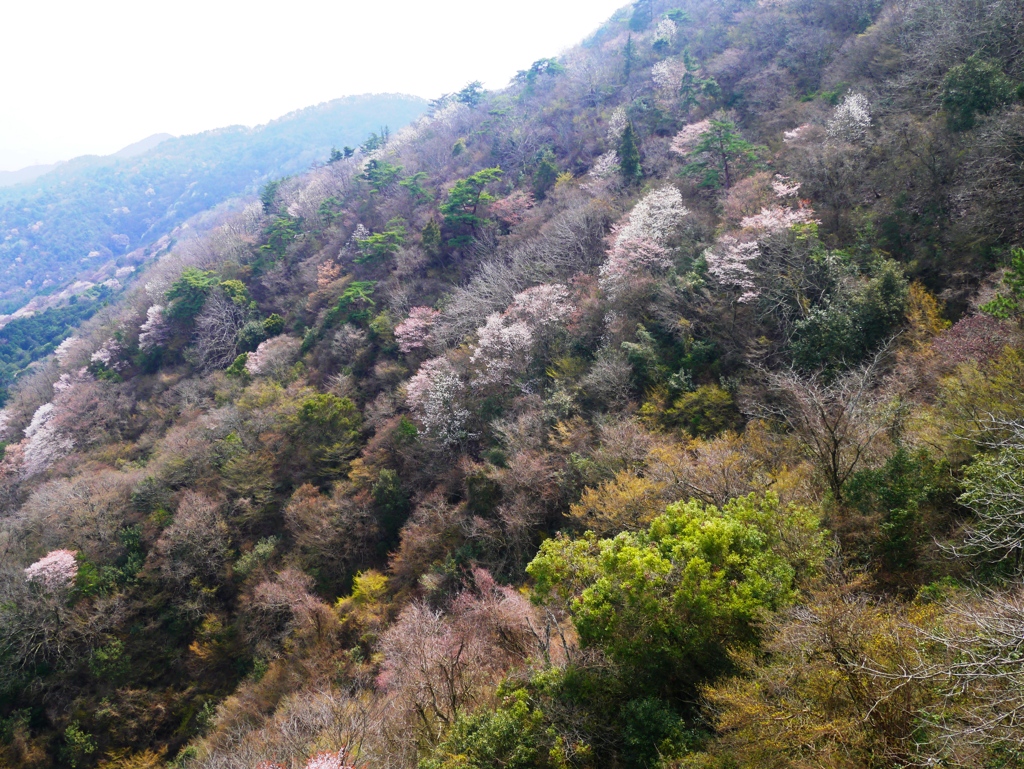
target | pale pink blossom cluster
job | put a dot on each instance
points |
(687, 139)
(850, 120)
(541, 306)
(511, 210)
(502, 350)
(629, 260)
(273, 356)
(617, 122)
(107, 355)
(797, 135)
(667, 74)
(154, 331)
(5, 420)
(413, 333)
(44, 442)
(729, 265)
(54, 570)
(327, 760)
(784, 187)
(434, 394)
(777, 219)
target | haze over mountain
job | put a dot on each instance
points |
(660, 410)
(80, 217)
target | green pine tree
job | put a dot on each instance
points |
(629, 156)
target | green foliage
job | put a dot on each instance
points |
(188, 294)
(707, 411)
(472, 94)
(237, 292)
(512, 737)
(249, 336)
(665, 603)
(629, 156)
(431, 238)
(651, 732)
(237, 368)
(78, 746)
(381, 175)
(1006, 307)
(268, 195)
(328, 428)
(974, 88)
(260, 554)
(539, 69)
(643, 15)
(273, 324)
(390, 502)
(719, 153)
(545, 173)
(380, 245)
(629, 58)
(280, 233)
(897, 493)
(463, 203)
(414, 185)
(848, 326)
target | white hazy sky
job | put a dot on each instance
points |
(89, 77)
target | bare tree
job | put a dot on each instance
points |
(839, 422)
(216, 329)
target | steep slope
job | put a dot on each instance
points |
(617, 417)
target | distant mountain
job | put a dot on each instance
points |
(143, 146)
(93, 211)
(25, 175)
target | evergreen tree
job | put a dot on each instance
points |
(629, 54)
(629, 156)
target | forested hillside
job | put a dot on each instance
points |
(87, 213)
(662, 409)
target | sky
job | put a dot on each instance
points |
(92, 77)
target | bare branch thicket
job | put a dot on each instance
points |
(215, 331)
(840, 422)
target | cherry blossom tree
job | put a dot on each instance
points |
(45, 442)
(413, 333)
(56, 569)
(850, 120)
(154, 331)
(729, 264)
(274, 356)
(435, 396)
(511, 210)
(541, 306)
(502, 351)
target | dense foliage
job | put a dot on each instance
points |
(661, 409)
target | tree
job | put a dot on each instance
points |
(643, 15)
(472, 94)
(974, 88)
(629, 59)
(714, 149)
(380, 245)
(665, 603)
(188, 294)
(461, 209)
(838, 422)
(629, 156)
(1006, 307)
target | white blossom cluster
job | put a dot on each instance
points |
(850, 120)
(5, 420)
(666, 30)
(541, 305)
(45, 443)
(729, 265)
(617, 122)
(605, 166)
(435, 396)
(667, 74)
(784, 187)
(67, 349)
(273, 356)
(56, 569)
(413, 333)
(656, 216)
(797, 135)
(502, 350)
